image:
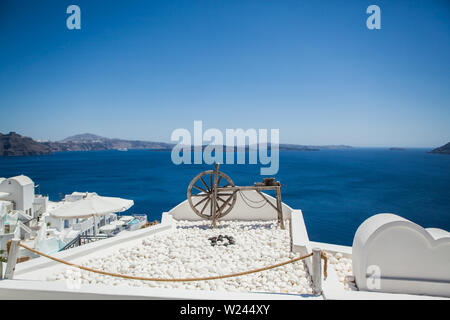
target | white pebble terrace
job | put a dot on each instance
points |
(187, 252)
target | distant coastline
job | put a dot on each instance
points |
(14, 144)
(445, 149)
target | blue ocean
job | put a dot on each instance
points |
(336, 189)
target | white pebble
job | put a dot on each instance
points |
(187, 252)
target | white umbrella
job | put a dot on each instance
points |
(91, 206)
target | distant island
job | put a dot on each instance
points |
(445, 149)
(92, 142)
(14, 144)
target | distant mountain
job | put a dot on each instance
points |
(281, 147)
(90, 142)
(85, 137)
(445, 149)
(284, 146)
(13, 144)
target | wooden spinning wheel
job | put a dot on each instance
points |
(212, 194)
(202, 190)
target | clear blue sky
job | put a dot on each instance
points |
(140, 69)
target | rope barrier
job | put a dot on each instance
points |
(175, 279)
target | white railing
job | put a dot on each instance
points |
(84, 225)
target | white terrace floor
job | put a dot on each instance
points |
(187, 252)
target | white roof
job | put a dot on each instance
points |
(108, 227)
(76, 193)
(22, 180)
(117, 223)
(92, 205)
(126, 218)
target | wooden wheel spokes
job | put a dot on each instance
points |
(201, 191)
(205, 198)
(212, 195)
(226, 203)
(227, 200)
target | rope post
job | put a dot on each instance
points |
(317, 270)
(279, 207)
(12, 258)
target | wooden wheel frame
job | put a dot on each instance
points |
(201, 191)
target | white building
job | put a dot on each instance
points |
(18, 193)
(27, 216)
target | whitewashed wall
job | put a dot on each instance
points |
(393, 254)
(240, 211)
(21, 195)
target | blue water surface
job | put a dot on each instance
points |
(336, 189)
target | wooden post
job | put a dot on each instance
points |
(317, 270)
(214, 196)
(1, 266)
(279, 207)
(12, 259)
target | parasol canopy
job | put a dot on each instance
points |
(91, 205)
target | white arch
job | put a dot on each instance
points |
(411, 259)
